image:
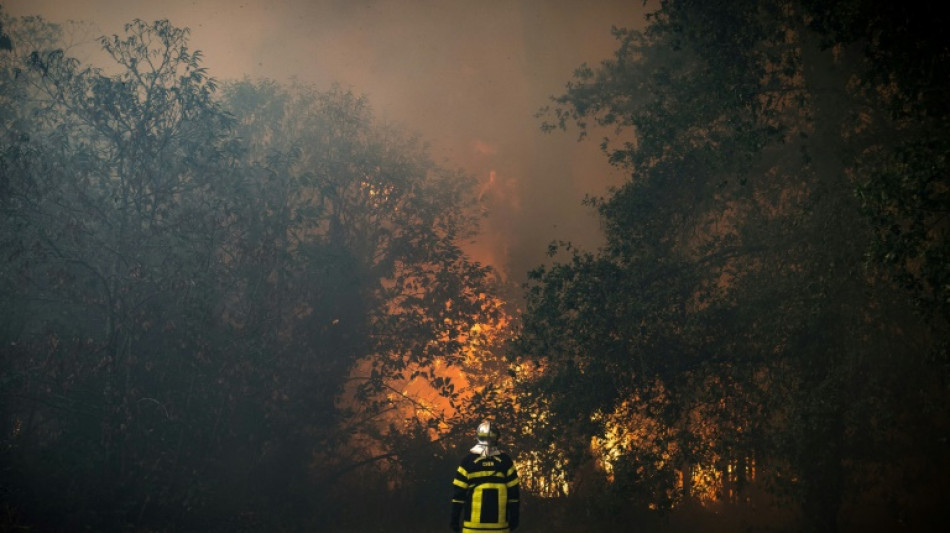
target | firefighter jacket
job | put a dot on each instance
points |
(486, 494)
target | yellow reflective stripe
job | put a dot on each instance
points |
(461, 478)
(477, 505)
(484, 474)
(512, 483)
(502, 508)
(477, 498)
(484, 526)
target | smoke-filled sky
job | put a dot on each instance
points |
(467, 75)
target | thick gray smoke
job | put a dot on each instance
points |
(466, 75)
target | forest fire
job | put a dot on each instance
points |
(251, 305)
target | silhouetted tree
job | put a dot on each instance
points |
(732, 299)
(191, 279)
(351, 266)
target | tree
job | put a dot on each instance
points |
(733, 271)
(360, 255)
(193, 278)
(109, 210)
(900, 183)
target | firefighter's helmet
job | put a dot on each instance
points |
(487, 437)
(487, 433)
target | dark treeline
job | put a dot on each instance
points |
(214, 294)
(207, 290)
(769, 316)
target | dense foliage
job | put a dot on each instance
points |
(193, 275)
(770, 306)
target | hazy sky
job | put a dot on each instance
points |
(467, 75)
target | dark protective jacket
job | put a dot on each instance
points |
(486, 494)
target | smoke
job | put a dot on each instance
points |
(467, 76)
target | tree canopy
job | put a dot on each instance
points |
(194, 272)
(771, 283)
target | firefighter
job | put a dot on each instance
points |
(486, 492)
